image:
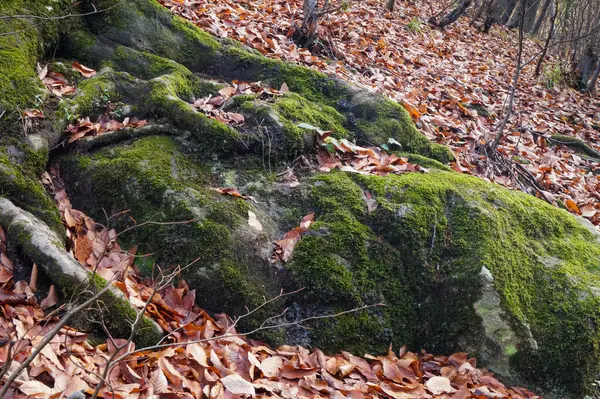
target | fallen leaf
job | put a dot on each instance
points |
(438, 385)
(572, 206)
(50, 300)
(83, 70)
(237, 385)
(33, 113)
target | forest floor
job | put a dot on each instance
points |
(454, 83)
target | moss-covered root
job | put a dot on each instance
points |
(575, 144)
(168, 97)
(19, 169)
(164, 98)
(44, 247)
(170, 45)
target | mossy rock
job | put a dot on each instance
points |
(186, 218)
(460, 264)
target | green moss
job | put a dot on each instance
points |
(243, 98)
(168, 35)
(296, 109)
(165, 99)
(92, 95)
(421, 252)
(122, 315)
(314, 86)
(343, 265)
(575, 144)
(155, 180)
(195, 39)
(514, 236)
(147, 66)
(382, 119)
(424, 161)
(19, 183)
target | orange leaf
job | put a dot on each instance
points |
(85, 71)
(572, 206)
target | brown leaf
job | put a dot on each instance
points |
(237, 385)
(33, 113)
(572, 206)
(50, 300)
(83, 70)
(10, 298)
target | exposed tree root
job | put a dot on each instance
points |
(44, 247)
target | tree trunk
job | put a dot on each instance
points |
(506, 11)
(453, 15)
(585, 69)
(594, 79)
(482, 9)
(389, 4)
(538, 67)
(530, 14)
(541, 17)
(308, 34)
(518, 13)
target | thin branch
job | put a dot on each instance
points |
(261, 328)
(49, 336)
(515, 83)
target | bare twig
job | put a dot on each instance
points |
(513, 89)
(49, 336)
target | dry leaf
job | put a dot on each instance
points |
(83, 70)
(439, 385)
(50, 300)
(237, 385)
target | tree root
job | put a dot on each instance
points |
(576, 145)
(44, 247)
(91, 143)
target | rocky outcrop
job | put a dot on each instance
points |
(460, 264)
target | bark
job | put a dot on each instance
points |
(525, 10)
(453, 15)
(594, 79)
(308, 33)
(585, 69)
(541, 17)
(530, 14)
(389, 4)
(499, 12)
(507, 10)
(482, 9)
(540, 61)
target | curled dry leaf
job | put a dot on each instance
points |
(572, 206)
(285, 247)
(83, 70)
(50, 300)
(234, 193)
(33, 113)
